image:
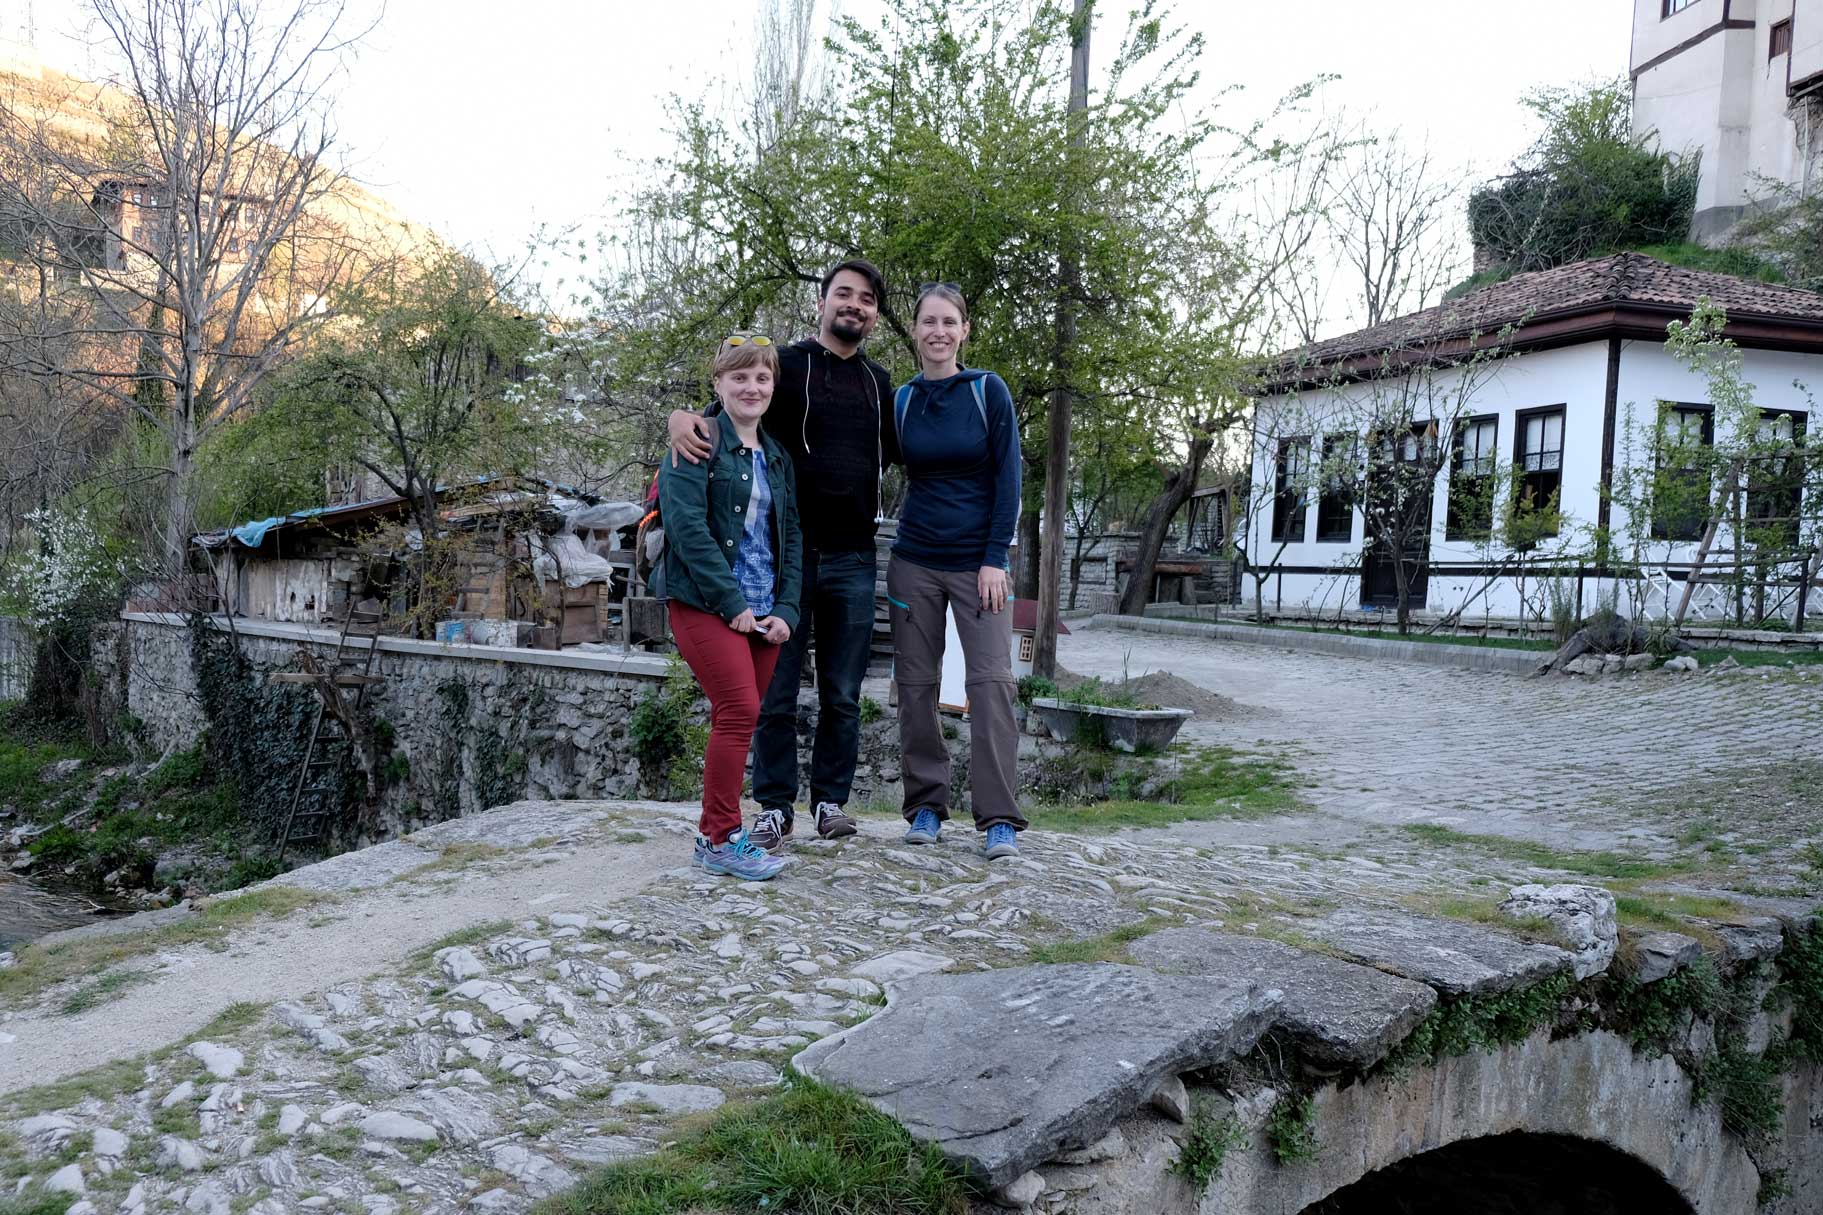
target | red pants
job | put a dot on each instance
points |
(734, 670)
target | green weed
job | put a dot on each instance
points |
(1588, 864)
(1108, 947)
(1291, 1129)
(1206, 1144)
(809, 1148)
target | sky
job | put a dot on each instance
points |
(488, 118)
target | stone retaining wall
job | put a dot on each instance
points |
(473, 726)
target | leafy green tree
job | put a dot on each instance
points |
(1588, 186)
(419, 385)
(940, 148)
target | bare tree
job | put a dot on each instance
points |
(1394, 218)
(1403, 415)
(189, 240)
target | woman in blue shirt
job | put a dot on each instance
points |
(959, 440)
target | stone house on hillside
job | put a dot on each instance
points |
(1564, 410)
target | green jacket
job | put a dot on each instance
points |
(696, 503)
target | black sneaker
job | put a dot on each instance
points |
(770, 830)
(832, 823)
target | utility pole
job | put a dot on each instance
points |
(1057, 457)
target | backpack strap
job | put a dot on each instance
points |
(901, 402)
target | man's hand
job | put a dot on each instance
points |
(742, 623)
(990, 582)
(690, 436)
(774, 630)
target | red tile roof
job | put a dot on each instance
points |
(1580, 287)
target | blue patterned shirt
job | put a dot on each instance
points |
(753, 564)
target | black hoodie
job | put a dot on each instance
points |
(833, 416)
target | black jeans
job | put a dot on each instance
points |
(837, 612)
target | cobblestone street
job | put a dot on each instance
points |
(1573, 762)
(472, 1017)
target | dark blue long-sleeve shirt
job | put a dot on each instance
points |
(959, 440)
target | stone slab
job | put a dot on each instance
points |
(1338, 1013)
(1455, 958)
(1003, 1069)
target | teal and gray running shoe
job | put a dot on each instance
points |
(738, 857)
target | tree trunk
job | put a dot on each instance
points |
(1057, 469)
(1159, 513)
(1026, 585)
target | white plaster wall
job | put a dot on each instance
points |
(1574, 377)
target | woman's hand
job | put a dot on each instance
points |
(774, 630)
(742, 623)
(991, 583)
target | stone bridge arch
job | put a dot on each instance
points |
(1506, 1174)
(1581, 1100)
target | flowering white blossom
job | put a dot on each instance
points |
(69, 564)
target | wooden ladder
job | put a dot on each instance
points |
(316, 793)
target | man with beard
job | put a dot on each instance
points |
(830, 412)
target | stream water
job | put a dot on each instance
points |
(28, 910)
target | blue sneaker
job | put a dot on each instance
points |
(738, 857)
(924, 827)
(1001, 841)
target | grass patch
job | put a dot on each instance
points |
(43, 966)
(1657, 909)
(474, 934)
(455, 857)
(112, 985)
(809, 1148)
(1588, 864)
(1487, 911)
(1108, 947)
(37, 1202)
(1213, 783)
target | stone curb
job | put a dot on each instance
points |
(1459, 657)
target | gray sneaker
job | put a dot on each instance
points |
(832, 822)
(737, 858)
(770, 830)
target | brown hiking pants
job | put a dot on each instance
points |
(921, 598)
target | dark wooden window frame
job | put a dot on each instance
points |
(1336, 501)
(1690, 528)
(1455, 527)
(1778, 40)
(1673, 6)
(1287, 501)
(1763, 500)
(1541, 481)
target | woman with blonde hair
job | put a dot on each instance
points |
(733, 566)
(959, 441)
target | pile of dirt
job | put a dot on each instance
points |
(1163, 689)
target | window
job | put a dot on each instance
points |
(1775, 481)
(1288, 490)
(1336, 504)
(1471, 507)
(1780, 43)
(1538, 455)
(1680, 483)
(1675, 6)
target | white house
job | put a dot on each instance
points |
(1741, 82)
(1581, 379)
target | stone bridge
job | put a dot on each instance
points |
(1376, 1062)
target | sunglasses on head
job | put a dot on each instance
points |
(747, 339)
(923, 287)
